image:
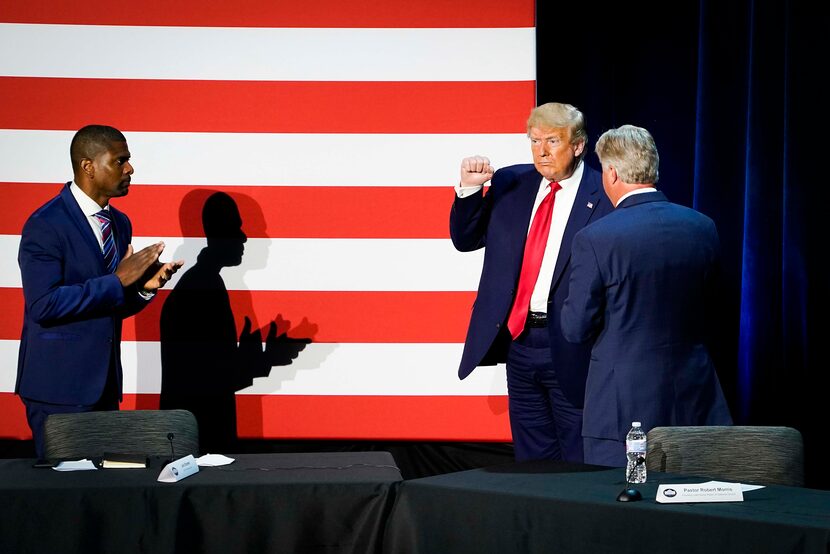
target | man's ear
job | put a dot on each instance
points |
(579, 147)
(88, 167)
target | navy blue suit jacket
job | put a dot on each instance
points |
(641, 289)
(499, 222)
(74, 308)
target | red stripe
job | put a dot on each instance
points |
(265, 13)
(11, 324)
(473, 418)
(267, 212)
(266, 106)
(330, 316)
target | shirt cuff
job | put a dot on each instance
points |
(464, 192)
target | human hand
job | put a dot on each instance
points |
(475, 171)
(158, 274)
(134, 265)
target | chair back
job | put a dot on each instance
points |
(747, 454)
(91, 434)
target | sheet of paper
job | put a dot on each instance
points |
(744, 487)
(76, 465)
(711, 491)
(213, 460)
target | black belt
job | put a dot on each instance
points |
(537, 319)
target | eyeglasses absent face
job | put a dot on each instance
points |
(554, 155)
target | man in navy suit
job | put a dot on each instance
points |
(515, 317)
(641, 289)
(81, 278)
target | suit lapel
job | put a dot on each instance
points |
(587, 199)
(530, 182)
(119, 233)
(524, 197)
(79, 220)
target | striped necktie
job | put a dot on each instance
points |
(109, 250)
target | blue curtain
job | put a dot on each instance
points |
(734, 95)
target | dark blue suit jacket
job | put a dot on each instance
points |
(74, 308)
(499, 221)
(642, 289)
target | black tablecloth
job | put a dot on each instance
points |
(556, 507)
(321, 502)
(340, 502)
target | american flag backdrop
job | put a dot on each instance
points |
(338, 128)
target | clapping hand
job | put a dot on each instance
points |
(280, 349)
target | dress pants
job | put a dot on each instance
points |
(545, 425)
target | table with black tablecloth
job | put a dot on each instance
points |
(553, 507)
(321, 502)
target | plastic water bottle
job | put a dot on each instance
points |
(635, 451)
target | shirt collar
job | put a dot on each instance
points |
(89, 206)
(572, 181)
(636, 191)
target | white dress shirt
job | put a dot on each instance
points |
(633, 192)
(562, 205)
(90, 207)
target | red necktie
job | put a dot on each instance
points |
(537, 238)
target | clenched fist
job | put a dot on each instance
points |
(475, 171)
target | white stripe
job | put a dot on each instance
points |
(322, 369)
(8, 365)
(269, 158)
(281, 54)
(317, 264)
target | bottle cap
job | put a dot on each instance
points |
(636, 424)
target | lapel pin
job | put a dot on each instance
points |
(590, 205)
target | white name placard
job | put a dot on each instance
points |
(713, 491)
(179, 469)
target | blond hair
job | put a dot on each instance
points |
(554, 115)
(632, 152)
